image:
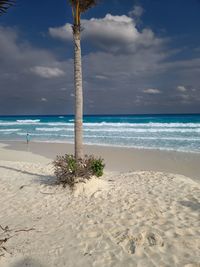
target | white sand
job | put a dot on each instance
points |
(25, 156)
(129, 219)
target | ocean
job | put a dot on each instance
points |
(164, 132)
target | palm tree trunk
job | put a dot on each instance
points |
(78, 126)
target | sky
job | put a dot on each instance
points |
(139, 57)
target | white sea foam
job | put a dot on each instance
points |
(27, 121)
(147, 130)
(116, 137)
(17, 123)
(54, 129)
(10, 130)
(37, 134)
(8, 123)
(70, 127)
(103, 124)
(58, 124)
(165, 135)
(150, 124)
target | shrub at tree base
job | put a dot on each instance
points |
(69, 171)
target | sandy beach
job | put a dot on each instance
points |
(99, 133)
(116, 158)
(144, 211)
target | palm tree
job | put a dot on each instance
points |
(78, 7)
(4, 5)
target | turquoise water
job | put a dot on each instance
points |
(166, 132)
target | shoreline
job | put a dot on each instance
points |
(106, 145)
(119, 159)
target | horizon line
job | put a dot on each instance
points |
(85, 115)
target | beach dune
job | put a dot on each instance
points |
(138, 218)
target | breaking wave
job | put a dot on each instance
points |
(27, 121)
(178, 133)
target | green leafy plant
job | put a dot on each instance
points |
(70, 171)
(97, 166)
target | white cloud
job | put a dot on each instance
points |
(151, 91)
(101, 77)
(144, 67)
(181, 88)
(136, 12)
(111, 33)
(24, 89)
(47, 72)
(63, 89)
(186, 97)
(43, 99)
(63, 33)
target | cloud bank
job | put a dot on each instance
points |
(126, 70)
(116, 34)
(47, 72)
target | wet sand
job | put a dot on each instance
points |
(117, 158)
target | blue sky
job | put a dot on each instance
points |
(138, 57)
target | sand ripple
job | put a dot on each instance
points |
(133, 219)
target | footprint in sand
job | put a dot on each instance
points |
(130, 243)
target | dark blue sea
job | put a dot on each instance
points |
(165, 132)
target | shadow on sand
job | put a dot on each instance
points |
(192, 205)
(42, 179)
(27, 262)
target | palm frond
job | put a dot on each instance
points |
(79, 7)
(4, 5)
(86, 4)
